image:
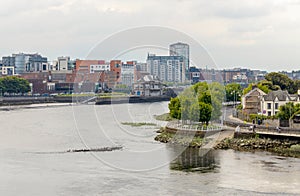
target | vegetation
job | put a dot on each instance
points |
(233, 92)
(138, 124)
(283, 81)
(288, 110)
(14, 85)
(276, 81)
(164, 117)
(201, 102)
(183, 140)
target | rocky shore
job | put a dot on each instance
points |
(280, 147)
(289, 148)
(183, 140)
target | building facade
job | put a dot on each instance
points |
(128, 73)
(149, 86)
(167, 68)
(26, 62)
(271, 102)
(183, 50)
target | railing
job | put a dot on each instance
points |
(193, 126)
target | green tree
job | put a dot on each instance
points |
(13, 84)
(286, 111)
(233, 92)
(282, 80)
(175, 108)
(205, 112)
(201, 102)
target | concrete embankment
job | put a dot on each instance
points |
(130, 99)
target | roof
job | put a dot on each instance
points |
(148, 78)
(280, 95)
(253, 90)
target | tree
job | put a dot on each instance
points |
(286, 111)
(13, 84)
(283, 81)
(174, 107)
(262, 86)
(201, 102)
(233, 92)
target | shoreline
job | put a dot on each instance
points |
(286, 148)
(34, 106)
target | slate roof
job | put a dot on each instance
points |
(281, 96)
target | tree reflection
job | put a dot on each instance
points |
(195, 159)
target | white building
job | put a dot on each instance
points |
(167, 68)
(8, 71)
(99, 68)
(63, 62)
(271, 102)
(127, 74)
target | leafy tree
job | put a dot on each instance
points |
(174, 107)
(201, 102)
(287, 110)
(261, 86)
(282, 80)
(233, 92)
(13, 84)
(205, 112)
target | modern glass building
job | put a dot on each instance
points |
(26, 62)
(183, 50)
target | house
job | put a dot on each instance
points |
(252, 101)
(271, 102)
(149, 85)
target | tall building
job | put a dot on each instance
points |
(167, 68)
(181, 49)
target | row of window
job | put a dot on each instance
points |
(269, 106)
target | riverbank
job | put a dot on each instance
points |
(33, 106)
(239, 142)
(180, 139)
(280, 147)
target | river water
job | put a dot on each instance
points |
(34, 158)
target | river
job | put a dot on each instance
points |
(34, 158)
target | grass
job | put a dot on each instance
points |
(138, 124)
(183, 140)
(164, 117)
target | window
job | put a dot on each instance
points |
(269, 105)
(276, 106)
(269, 113)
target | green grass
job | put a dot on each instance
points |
(138, 124)
(164, 117)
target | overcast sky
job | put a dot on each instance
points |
(256, 34)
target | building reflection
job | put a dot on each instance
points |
(195, 159)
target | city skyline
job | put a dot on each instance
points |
(249, 34)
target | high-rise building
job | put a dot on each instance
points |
(183, 50)
(167, 68)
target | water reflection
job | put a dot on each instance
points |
(195, 159)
